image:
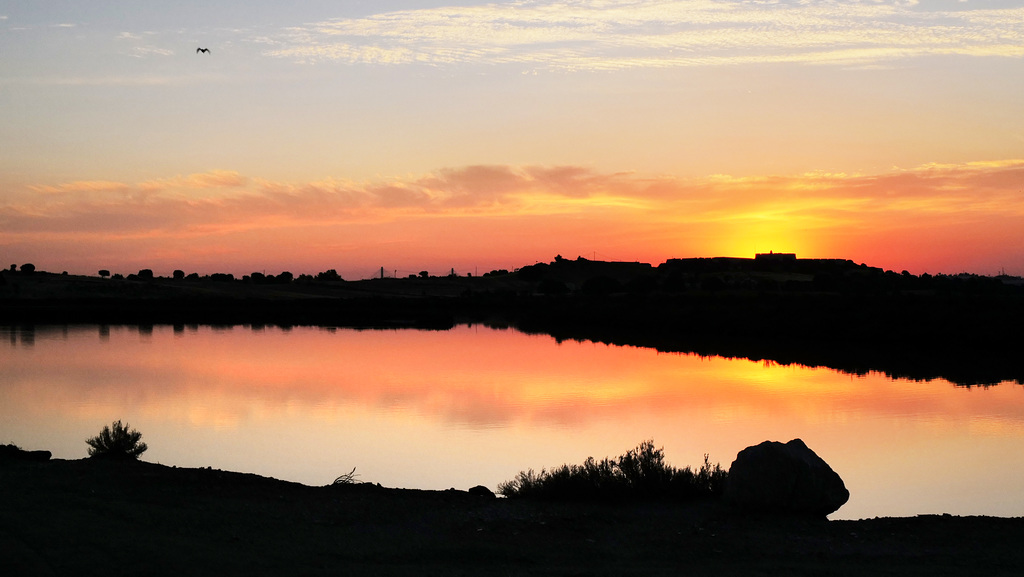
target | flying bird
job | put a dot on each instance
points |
(198, 50)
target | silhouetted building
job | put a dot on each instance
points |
(776, 257)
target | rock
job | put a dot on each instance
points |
(784, 478)
(481, 491)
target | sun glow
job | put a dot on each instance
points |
(763, 233)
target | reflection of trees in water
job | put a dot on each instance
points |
(969, 342)
(970, 336)
(23, 335)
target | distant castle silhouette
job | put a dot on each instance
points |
(775, 256)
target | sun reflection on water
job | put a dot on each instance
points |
(436, 409)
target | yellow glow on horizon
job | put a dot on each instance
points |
(762, 233)
(923, 219)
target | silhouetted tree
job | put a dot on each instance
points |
(178, 274)
(328, 275)
(533, 272)
(285, 277)
(28, 268)
(424, 274)
(104, 273)
(145, 274)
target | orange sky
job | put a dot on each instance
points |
(433, 135)
(938, 218)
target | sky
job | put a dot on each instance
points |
(470, 136)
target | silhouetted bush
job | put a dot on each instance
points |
(328, 275)
(639, 474)
(533, 272)
(117, 442)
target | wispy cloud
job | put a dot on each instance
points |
(617, 34)
(138, 48)
(941, 218)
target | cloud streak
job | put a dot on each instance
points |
(207, 201)
(619, 34)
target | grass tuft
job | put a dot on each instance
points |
(346, 479)
(641, 473)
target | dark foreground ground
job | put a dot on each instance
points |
(107, 518)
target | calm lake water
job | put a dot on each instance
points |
(470, 406)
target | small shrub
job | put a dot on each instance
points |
(641, 473)
(117, 442)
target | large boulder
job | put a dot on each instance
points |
(784, 478)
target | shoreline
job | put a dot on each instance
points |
(966, 353)
(964, 331)
(90, 517)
